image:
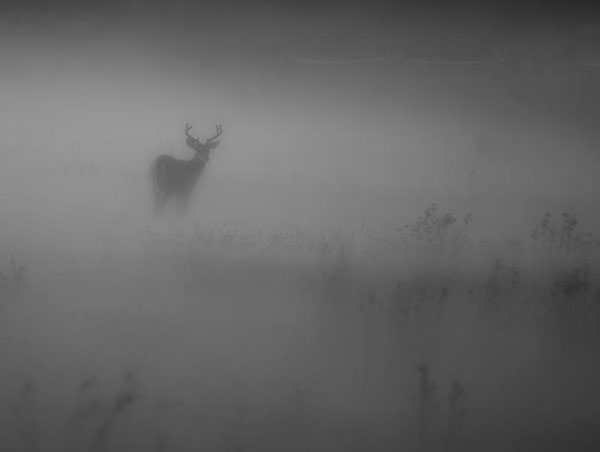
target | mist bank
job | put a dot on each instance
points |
(316, 133)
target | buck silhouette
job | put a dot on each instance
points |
(177, 178)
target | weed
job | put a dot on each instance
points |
(12, 281)
(457, 413)
(125, 397)
(25, 414)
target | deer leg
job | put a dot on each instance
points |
(159, 201)
(182, 202)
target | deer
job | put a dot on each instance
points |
(176, 178)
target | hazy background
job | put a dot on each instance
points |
(339, 112)
(333, 115)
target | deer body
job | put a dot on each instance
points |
(172, 177)
(177, 178)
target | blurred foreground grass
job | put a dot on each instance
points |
(235, 340)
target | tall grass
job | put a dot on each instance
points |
(359, 309)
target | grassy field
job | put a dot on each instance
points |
(226, 339)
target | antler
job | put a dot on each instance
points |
(188, 127)
(217, 135)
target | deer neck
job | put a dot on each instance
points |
(197, 164)
(199, 160)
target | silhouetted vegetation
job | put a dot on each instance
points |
(545, 289)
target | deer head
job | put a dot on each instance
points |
(202, 149)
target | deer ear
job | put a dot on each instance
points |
(214, 144)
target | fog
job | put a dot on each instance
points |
(290, 308)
